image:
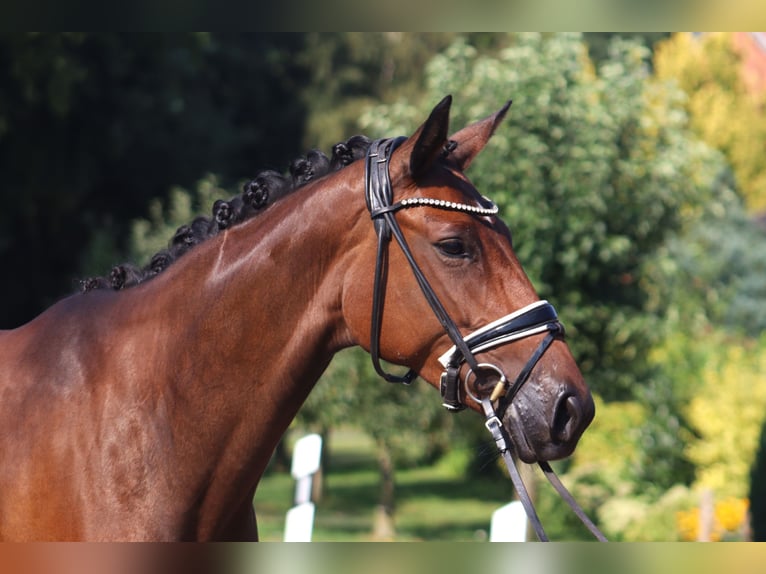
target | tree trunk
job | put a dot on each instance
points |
(281, 459)
(707, 516)
(318, 485)
(383, 528)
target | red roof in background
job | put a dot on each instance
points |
(752, 46)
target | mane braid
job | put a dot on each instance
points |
(263, 190)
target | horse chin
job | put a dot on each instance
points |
(521, 446)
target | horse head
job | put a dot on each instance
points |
(449, 298)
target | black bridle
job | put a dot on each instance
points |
(538, 318)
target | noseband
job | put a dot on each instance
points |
(537, 318)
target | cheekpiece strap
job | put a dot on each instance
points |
(379, 197)
(379, 193)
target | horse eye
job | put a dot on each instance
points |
(452, 248)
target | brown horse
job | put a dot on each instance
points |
(150, 412)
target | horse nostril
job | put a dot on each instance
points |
(566, 418)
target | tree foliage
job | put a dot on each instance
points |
(407, 423)
(408, 419)
(713, 273)
(727, 414)
(724, 114)
(349, 71)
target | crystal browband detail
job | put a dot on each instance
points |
(443, 204)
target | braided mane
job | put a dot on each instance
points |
(266, 188)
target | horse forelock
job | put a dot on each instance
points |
(265, 189)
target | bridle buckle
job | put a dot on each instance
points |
(449, 387)
(493, 423)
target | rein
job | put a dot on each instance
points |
(537, 318)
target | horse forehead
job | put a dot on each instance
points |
(446, 183)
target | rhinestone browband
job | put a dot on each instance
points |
(442, 204)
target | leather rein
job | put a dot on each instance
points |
(537, 318)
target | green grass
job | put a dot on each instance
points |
(433, 503)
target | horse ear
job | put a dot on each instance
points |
(472, 139)
(430, 138)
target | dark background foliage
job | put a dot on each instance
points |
(93, 126)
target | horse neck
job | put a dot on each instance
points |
(254, 315)
(274, 286)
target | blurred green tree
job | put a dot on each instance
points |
(349, 71)
(727, 414)
(407, 423)
(708, 284)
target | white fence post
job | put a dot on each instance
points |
(509, 523)
(299, 521)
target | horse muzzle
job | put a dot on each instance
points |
(544, 414)
(539, 433)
